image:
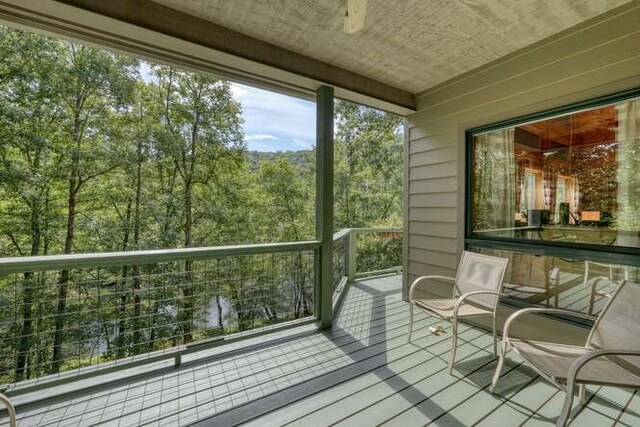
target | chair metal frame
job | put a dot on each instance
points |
(596, 280)
(528, 286)
(576, 366)
(461, 299)
(11, 410)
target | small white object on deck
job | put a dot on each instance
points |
(436, 330)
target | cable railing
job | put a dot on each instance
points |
(63, 317)
(340, 262)
(82, 312)
(365, 252)
(378, 251)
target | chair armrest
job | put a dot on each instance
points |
(524, 311)
(586, 358)
(600, 280)
(573, 374)
(423, 278)
(11, 410)
(463, 297)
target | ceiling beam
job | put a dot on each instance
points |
(159, 18)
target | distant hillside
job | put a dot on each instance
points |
(298, 158)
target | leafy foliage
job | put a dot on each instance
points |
(97, 157)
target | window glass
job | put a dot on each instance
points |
(571, 178)
(571, 284)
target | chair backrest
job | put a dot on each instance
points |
(528, 270)
(477, 272)
(618, 326)
(605, 270)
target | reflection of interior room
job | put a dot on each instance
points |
(570, 178)
(568, 160)
(566, 175)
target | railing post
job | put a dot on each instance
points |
(351, 256)
(324, 204)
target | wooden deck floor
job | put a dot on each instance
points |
(361, 373)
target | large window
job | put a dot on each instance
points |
(559, 195)
(569, 178)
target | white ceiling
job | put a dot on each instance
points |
(409, 44)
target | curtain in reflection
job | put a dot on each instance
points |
(574, 195)
(539, 203)
(628, 198)
(495, 180)
(550, 174)
(518, 187)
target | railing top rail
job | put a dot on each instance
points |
(341, 234)
(376, 230)
(346, 231)
(11, 265)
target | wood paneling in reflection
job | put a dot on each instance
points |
(584, 128)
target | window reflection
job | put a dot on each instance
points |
(577, 285)
(570, 178)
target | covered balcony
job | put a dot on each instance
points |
(361, 372)
(521, 130)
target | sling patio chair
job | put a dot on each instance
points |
(610, 357)
(476, 292)
(533, 275)
(600, 283)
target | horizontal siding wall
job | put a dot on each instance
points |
(596, 58)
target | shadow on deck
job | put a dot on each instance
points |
(362, 372)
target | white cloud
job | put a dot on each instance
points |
(287, 121)
(260, 137)
(238, 91)
(272, 121)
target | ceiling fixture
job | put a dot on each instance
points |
(354, 18)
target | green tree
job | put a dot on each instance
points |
(203, 132)
(93, 86)
(28, 129)
(290, 208)
(368, 167)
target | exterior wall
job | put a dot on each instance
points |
(596, 58)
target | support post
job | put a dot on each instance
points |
(351, 256)
(324, 204)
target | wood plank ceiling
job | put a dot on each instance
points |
(412, 45)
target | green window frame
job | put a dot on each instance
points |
(574, 250)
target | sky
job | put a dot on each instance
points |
(275, 122)
(272, 121)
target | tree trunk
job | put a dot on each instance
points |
(188, 174)
(220, 317)
(29, 284)
(187, 288)
(122, 310)
(63, 283)
(136, 242)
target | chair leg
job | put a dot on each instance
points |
(454, 344)
(496, 374)
(410, 322)
(582, 395)
(592, 297)
(566, 408)
(11, 411)
(495, 337)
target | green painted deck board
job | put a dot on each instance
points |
(472, 410)
(631, 415)
(397, 364)
(362, 372)
(392, 386)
